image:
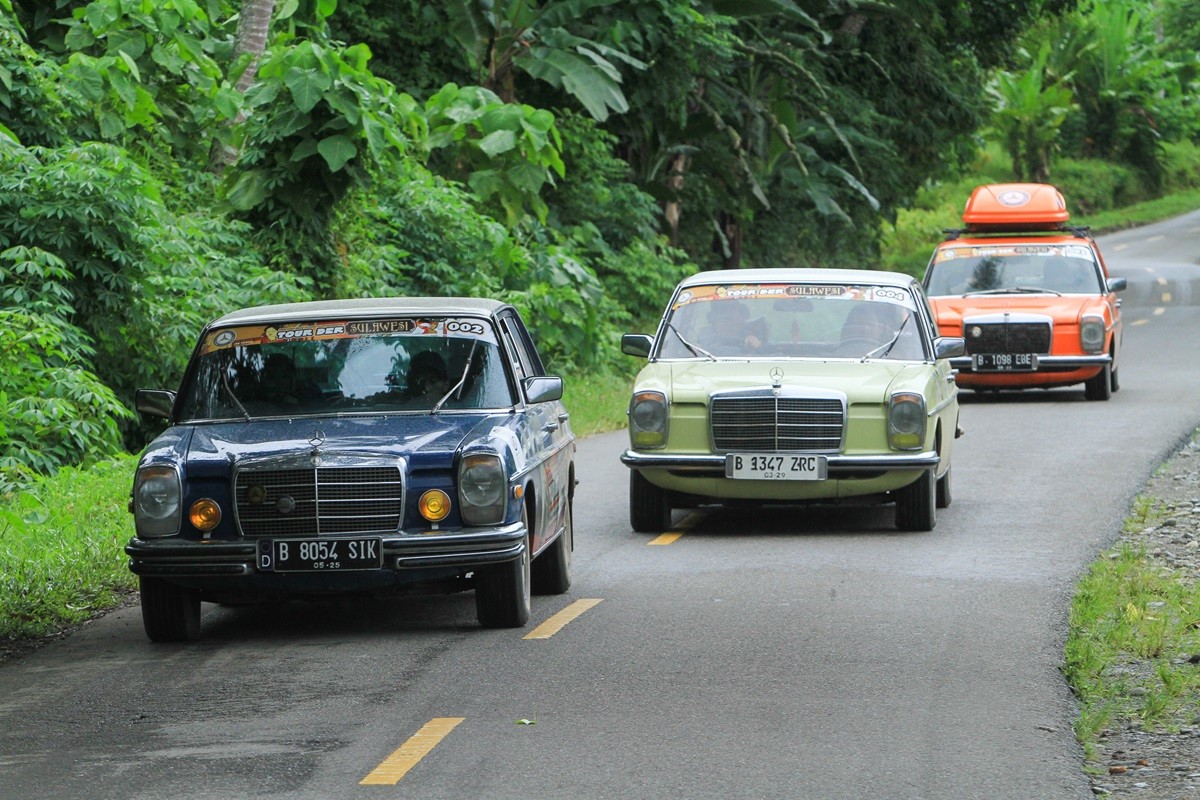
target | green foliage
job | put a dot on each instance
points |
(1092, 185)
(543, 40)
(55, 411)
(61, 548)
(34, 109)
(1030, 108)
(505, 152)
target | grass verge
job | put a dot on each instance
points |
(1134, 627)
(61, 556)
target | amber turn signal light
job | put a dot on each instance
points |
(435, 505)
(205, 514)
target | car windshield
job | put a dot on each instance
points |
(793, 320)
(339, 366)
(1057, 269)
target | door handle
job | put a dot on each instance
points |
(551, 426)
(564, 416)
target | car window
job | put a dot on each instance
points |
(1065, 269)
(771, 320)
(383, 365)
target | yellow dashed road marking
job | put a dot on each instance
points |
(665, 538)
(556, 623)
(1139, 322)
(1156, 238)
(1158, 312)
(395, 766)
(1120, 247)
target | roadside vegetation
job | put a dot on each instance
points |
(1134, 635)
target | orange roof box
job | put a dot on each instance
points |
(1015, 206)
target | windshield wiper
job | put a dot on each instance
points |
(696, 349)
(232, 396)
(461, 380)
(886, 347)
(1014, 290)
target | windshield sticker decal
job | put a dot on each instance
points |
(255, 335)
(1002, 251)
(702, 294)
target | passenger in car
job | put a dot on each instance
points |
(428, 379)
(730, 330)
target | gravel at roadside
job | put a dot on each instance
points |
(1157, 763)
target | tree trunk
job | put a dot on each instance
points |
(254, 25)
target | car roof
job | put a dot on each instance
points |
(360, 308)
(798, 275)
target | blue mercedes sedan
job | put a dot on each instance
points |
(379, 445)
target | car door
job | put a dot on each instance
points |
(945, 400)
(547, 424)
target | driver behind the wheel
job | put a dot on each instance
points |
(730, 332)
(870, 324)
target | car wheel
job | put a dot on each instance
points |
(502, 590)
(551, 571)
(1114, 382)
(170, 613)
(649, 508)
(1101, 386)
(943, 490)
(916, 504)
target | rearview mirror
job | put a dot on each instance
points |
(949, 347)
(637, 344)
(543, 389)
(154, 403)
(1117, 284)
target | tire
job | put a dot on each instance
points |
(1101, 386)
(551, 571)
(916, 504)
(943, 490)
(1114, 381)
(170, 613)
(649, 508)
(502, 590)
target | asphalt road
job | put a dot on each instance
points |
(781, 654)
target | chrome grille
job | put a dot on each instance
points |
(321, 500)
(768, 423)
(1007, 337)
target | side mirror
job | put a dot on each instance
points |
(154, 403)
(1117, 284)
(949, 347)
(637, 344)
(543, 389)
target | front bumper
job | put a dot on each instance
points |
(172, 557)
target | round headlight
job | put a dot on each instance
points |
(204, 514)
(648, 419)
(482, 481)
(157, 501)
(434, 505)
(1091, 334)
(906, 421)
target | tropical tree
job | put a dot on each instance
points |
(504, 37)
(1030, 107)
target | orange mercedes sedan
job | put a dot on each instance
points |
(1029, 293)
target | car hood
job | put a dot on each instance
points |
(1068, 308)
(427, 441)
(862, 381)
